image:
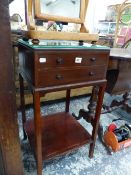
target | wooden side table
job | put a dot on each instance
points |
(119, 76)
(55, 66)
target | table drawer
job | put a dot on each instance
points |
(71, 59)
(58, 76)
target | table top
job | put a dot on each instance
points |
(56, 44)
(120, 53)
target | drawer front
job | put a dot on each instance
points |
(52, 77)
(71, 59)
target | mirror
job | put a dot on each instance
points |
(55, 10)
(69, 11)
(56, 7)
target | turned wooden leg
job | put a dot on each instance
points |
(67, 100)
(93, 102)
(38, 137)
(89, 114)
(22, 106)
(96, 119)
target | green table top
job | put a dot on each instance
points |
(57, 44)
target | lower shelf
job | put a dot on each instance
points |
(60, 134)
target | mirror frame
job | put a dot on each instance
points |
(39, 15)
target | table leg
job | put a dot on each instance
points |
(67, 100)
(38, 137)
(89, 114)
(93, 102)
(96, 119)
(22, 106)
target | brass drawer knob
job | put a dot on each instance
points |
(59, 77)
(91, 73)
(93, 59)
(59, 60)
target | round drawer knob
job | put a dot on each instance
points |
(91, 73)
(59, 61)
(59, 77)
(93, 59)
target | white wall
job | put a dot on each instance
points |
(17, 6)
(97, 11)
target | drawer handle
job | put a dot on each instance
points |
(91, 73)
(59, 61)
(59, 77)
(93, 59)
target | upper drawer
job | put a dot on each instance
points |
(71, 59)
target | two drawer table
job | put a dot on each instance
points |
(54, 66)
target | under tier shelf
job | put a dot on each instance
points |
(60, 133)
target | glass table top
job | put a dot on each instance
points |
(53, 44)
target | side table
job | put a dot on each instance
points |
(54, 66)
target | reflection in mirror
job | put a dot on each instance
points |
(57, 8)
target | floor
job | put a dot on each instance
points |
(77, 162)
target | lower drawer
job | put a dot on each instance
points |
(52, 77)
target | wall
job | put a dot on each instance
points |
(17, 6)
(97, 11)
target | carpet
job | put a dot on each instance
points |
(77, 162)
